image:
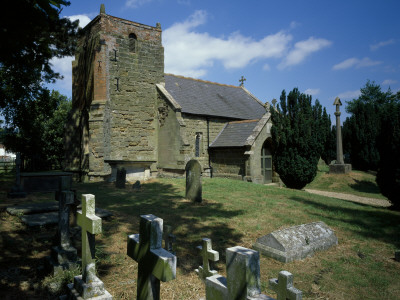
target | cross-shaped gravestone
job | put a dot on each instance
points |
(207, 254)
(88, 285)
(283, 287)
(169, 239)
(243, 277)
(155, 263)
(242, 80)
(65, 200)
(91, 225)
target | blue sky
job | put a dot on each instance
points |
(324, 48)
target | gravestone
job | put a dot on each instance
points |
(17, 191)
(193, 181)
(88, 285)
(169, 239)
(137, 185)
(207, 254)
(283, 287)
(121, 178)
(63, 255)
(243, 277)
(296, 242)
(155, 263)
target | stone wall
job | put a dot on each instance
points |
(229, 162)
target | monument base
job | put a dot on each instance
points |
(339, 168)
(62, 259)
(82, 290)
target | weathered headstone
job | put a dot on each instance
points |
(155, 263)
(193, 181)
(243, 277)
(121, 178)
(137, 185)
(63, 255)
(296, 242)
(207, 254)
(339, 167)
(169, 239)
(283, 287)
(88, 285)
(17, 191)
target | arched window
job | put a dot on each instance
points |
(197, 147)
(132, 42)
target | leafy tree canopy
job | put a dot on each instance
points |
(361, 129)
(39, 138)
(299, 132)
(32, 33)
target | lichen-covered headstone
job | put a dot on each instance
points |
(207, 254)
(63, 255)
(155, 263)
(283, 287)
(243, 277)
(193, 181)
(296, 242)
(121, 178)
(88, 285)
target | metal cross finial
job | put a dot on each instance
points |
(242, 80)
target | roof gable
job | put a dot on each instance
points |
(212, 99)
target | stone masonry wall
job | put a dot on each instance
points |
(228, 162)
(116, 92)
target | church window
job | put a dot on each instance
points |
(132, 42)
(197, 147)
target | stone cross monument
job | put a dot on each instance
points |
(88, 285)
(339, 167)
(207, 254)
(283, 287)
(155, 263)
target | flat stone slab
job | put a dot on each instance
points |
(32, 208)
(296, 242)
(51, 218)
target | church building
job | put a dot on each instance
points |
(127, 113)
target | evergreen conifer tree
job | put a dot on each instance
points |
(298, 137)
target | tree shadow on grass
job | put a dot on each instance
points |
(363, 220)
(365, 186)
(190, 221)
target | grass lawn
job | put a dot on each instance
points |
(356, 182)
(233, 213)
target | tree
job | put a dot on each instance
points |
(329, 150)
(32, 33)
(388, 142)
(40, 132)
(298, 135)
(361, 129)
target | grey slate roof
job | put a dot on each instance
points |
(212, 99)
(234, 134)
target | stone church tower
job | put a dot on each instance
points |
(114, 99)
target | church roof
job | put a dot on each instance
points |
(206, 98)
(235, 134)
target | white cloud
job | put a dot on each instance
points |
(376, 46)
(355, 62)
(303, 49)
(266, 67)
(136, 3)
(83, 19)
(349, 95)
(190, 53)
(389, 82)
(312, 92)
